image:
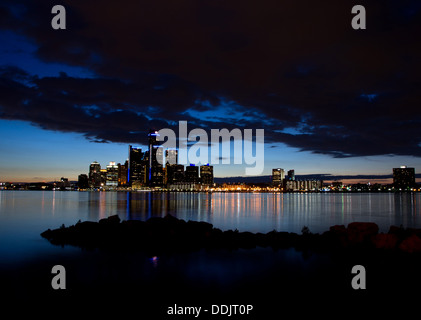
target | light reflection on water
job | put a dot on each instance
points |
(263, 212)
(25, 214)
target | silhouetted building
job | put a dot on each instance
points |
(174, 173)
(156, 172)
(191, 174)
(291, 175)
(64, 184)
(404, 177)
(151, 156)
(83, 181)
(278, 176)
(136, 171)
(94, 175)
(155, 160)
(206, 175)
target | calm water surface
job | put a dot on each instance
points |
(25, 214)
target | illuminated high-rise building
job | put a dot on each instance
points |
(404, 177)
(191, 175)
(112, 175)
(278, 176)
(155, 160)
(123, 173)
(291, 175)
(136, 171)
(206, 175)
(103, 173)
(174, 173)
(95, 175)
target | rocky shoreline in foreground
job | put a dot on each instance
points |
(169, 234)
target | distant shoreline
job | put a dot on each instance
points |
(228, 191)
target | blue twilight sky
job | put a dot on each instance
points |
(332, 100)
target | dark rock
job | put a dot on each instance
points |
(412, 244)
(157, 235)
(385, 241)
(359, 232)
(47, 234)
(415, 231)
(111, 220)
(338, 229)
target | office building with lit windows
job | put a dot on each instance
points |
(206, 175)
(278, 176)
(404, 177)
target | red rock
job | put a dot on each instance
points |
(360, 231)
(411, 244)
(385, 241)
(337, 229)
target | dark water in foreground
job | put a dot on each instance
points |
(25, 214)
(273, 281)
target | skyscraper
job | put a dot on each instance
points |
(103, 173)
(192, 174)
(152, 141)
(291, 175)
(123, 173)
(404, 177)
(94, 175)
(155, 158)
(136, 167)
(206, 175)
(174, 173)
(157, 170)
(112, 175)
(83, 182)
(278, 176)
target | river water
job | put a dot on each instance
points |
(135, 283)
(25, 214)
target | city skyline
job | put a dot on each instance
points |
(332, 100)
(73, 173)
(349, 178)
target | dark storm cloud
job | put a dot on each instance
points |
(288, 66)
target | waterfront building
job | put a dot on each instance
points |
(185, 186)
(94, 175)
(123, 173)
(83, 182)
(403, 177)
(206, 175)
(278, 176)
(291, 175)
(191, 174)
(112, 175)
(302, 185)
(103, 173)
(174, 173)
(155, 160)
(136, 171)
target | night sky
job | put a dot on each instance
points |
(331, 99)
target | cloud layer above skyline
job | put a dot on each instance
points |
(297, 70)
